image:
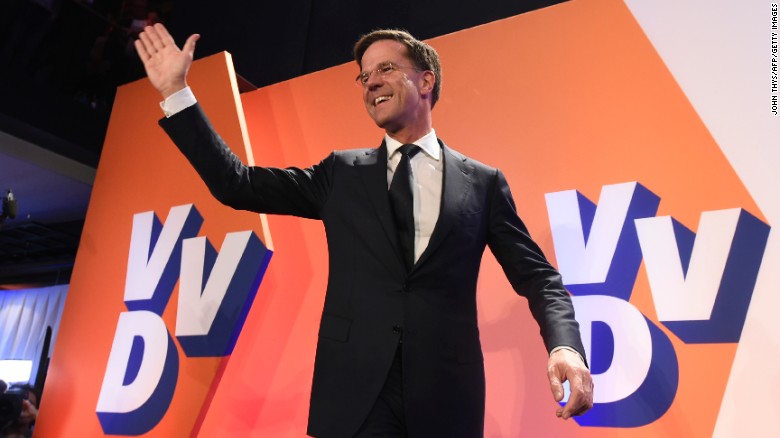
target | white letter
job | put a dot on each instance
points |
(578, 262)
(691, 296)
(146, 267)
(116, 397)
(196, 311)
(633, 347)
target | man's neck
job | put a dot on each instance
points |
(410, 134)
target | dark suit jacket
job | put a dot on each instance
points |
(371, 301)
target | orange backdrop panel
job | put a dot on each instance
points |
(140, 170)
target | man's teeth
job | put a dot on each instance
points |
(381, 99)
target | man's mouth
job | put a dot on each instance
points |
(381, 99)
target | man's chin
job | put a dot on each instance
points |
(384, 123)
(379, 121)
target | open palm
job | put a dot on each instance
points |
(166, 65)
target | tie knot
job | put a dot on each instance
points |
(409, 150)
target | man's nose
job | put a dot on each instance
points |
(374, 80)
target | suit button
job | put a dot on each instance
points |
(406, 288)
(396, 329)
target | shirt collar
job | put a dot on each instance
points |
(427, 143)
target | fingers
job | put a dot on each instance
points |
(146, 44)
(189, 45)
(555, 385)
(155, 37)
(141, 49)
(574, 406)
(581, 398)
(166, 66)
(569, 366)
(162, 33)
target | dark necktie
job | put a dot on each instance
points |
(402, 202)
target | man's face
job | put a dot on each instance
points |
(394, 100)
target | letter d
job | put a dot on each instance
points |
(633, 362)
(140, 377)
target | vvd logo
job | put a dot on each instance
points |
(701, 286)
(143, 365)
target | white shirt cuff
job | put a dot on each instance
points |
(178, 101)
(566, 347)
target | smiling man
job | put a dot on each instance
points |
(399, 103)
(407, 222)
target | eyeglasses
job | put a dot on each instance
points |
(382, 70)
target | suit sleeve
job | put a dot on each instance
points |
(291, 191)
(529, 272)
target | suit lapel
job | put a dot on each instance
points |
(456, 187)
(372, 168)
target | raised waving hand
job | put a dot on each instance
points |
(166, 65)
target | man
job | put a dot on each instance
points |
(399, 351)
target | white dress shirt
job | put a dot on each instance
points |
(427, 176)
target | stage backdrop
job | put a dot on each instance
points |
(669, 258)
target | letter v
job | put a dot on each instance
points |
(155, 254)
(702, 284)
(596, 247)
(209, 319)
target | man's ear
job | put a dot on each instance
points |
(428, 81)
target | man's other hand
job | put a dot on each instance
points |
(566, 365)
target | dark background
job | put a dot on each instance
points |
(61, 61)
